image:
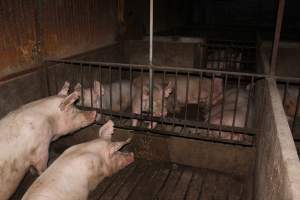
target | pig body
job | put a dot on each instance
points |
(195, 87)
(228, 113)
(120, 100)
(141, 101)
(27, 132)
(290, 104)
(80, 169)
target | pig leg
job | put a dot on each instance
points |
(40, 156)
(136, 110)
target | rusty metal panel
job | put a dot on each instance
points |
(17, 35)
(71, 26)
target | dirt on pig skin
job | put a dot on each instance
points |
(81, 168)
(27, 132)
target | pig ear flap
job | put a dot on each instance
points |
(116, 146)
(168, 89)
(98, 88)
(146, 93)
(64, 90)
(69, 100)
(77, 87)
(106, 130)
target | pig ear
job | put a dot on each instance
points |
(106, 130)
(146, 93)
(168, 89)
(116, 146)
(77, 87)
(97, 87)
(64, 90)
(69, 100)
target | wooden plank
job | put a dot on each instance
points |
(113, 189)
(171, 182)
(195, 186)
(209, 186)
(182, 186)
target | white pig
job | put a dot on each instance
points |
(81, 168)
(228, 112)
(195, 86)
(27, 132)
(104, 90)
(141, 100)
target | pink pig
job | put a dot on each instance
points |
(81, 168)
(27, 132)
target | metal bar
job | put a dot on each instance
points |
(142, 91)
(151, 94)
(223, 104)
(179, 122)
(199, 97)
(130, 77)
(151, 33)
(236, 101)
(248, 101)
(167, 68)
(55, 80)
(163, 95)
(279, 19)
(81, 82)
(210, 102)
(110, 88)
(175, 97)
(187, 96)
(91, 85)
(100, 92)
(120, 88)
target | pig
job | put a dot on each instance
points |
(27, 132)
(194, 85)
(228, 112)
(290, 102)
(104, 90)
(81, 168)
(141, 101)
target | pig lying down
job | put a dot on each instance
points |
(27, 132)
(81, 168)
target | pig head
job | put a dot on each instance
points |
(81, 168)
(27, 132)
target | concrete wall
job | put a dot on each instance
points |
(277, 173)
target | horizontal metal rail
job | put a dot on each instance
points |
(155, 67)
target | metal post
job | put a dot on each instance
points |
(279, 19)
(150, 61)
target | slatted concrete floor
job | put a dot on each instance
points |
(157, 180)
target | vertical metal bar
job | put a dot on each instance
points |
(163, 96)
(236, 101)
(130, 77)
(210, 101)
(91, 85)
(151, 95)
(175, 98)
(223, 104)
(110, 90)
(81, 82)
(151, 33)
(100, 92)
(296, 113)
(55, 79)
(142, 91)
(279, 19)
(248, 101)
(120, 89)
(186, 96)
(199, 97)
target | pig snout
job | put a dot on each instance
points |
(120, 160)
(88, 117)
